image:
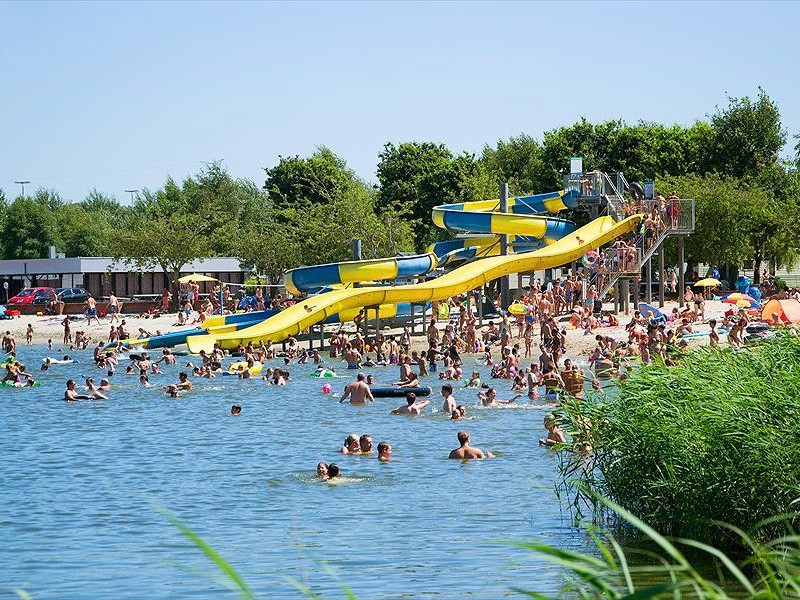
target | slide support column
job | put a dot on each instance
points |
(504, 291)
(662, 276)
(681, 273)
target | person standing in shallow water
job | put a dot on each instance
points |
(465, 451)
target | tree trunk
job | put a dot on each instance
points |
(174, 303)
(757, 267)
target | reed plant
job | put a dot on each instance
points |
(714, 439)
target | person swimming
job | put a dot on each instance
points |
(351, 445)
(384, 451)
(555, 435)
(236, 410)
(322, 469)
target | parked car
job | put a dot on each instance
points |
(66, 295)
(30, 295)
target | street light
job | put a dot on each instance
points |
(132, 192)
(22, 183)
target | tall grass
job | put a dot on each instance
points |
(771, 571)
(714, 439)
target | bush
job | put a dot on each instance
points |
(716, 438)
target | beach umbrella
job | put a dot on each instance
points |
(708, 282)
(197, 278)
(736, 296)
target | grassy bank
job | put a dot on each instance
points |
(716, 438)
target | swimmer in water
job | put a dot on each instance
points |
(413, 406)
(365, 444)
(322, 470)
(358, 391)
(333, 471)
(351, 445)
(384, 451)
(459, 412)
(465, 451)
(236, 410)
(555, 435)
(490, 398)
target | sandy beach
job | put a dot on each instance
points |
(45, 328)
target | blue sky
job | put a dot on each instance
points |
(119, 95)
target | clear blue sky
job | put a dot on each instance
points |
(120, 94)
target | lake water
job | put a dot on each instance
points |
(81, 485)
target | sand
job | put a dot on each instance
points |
(579, 344)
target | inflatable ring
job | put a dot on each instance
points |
(589, 259)
(399, 392)
(517, 309)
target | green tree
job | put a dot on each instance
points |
(83, 233)
(747, 135)
(50, 199)
(107, 207)
(270, 249)
(3, 214)
(517, 161)
(29, 229)
(178, 224)
(737, 221)
(315, 179)
(414, 177)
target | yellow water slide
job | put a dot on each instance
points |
(315, 309)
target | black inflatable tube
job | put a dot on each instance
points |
(637, 191)
(399, 392)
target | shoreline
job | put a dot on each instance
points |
(579, 342)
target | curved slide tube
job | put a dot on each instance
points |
(470, 276)
(212, 325)
(523, 220)
(304, 279)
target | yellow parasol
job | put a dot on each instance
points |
(197, 278)
(708, 282)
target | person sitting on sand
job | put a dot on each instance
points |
(413, 406)
(351, 445)
(358, 391)
(555, 435)
(384, 451)
(490, 398)
(465, 451)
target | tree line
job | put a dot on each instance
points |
(308, 209)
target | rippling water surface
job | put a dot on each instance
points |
(81, 485)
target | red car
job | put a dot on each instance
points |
(28, 295)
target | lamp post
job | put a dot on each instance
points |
(22, 183)
(132, 192)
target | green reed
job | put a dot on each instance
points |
(715, 438)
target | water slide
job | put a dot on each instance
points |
(528, 233)
(213, 325)
(315, 309)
